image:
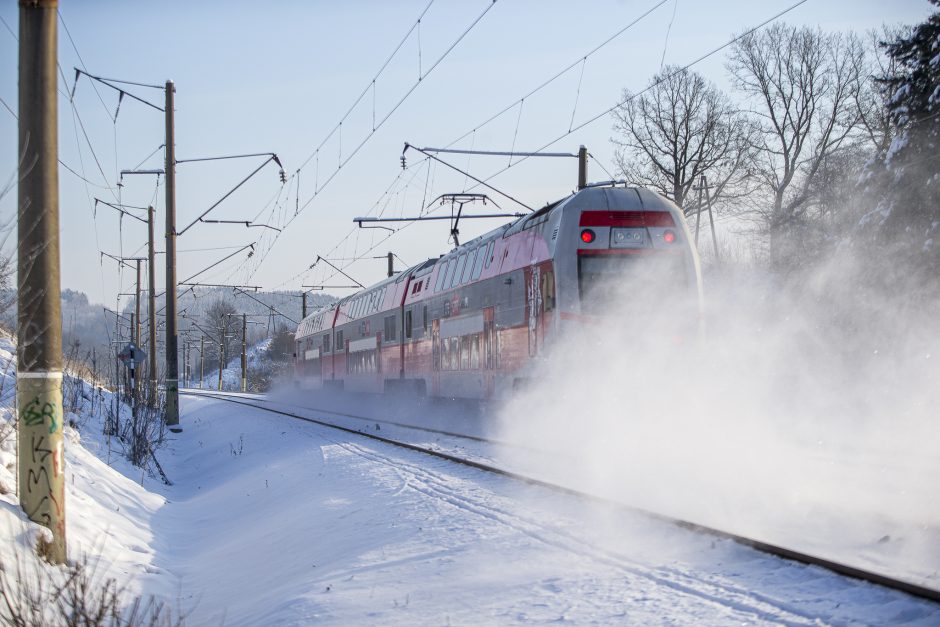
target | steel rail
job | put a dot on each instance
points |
(764, 547)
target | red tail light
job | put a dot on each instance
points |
(587, 236)
(669, 237)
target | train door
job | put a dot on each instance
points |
(489, 361)
(436, 357)
(534, 308)
(541, 302)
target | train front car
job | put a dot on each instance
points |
(608, 258)
(627, 252)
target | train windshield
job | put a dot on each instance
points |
(631, 284)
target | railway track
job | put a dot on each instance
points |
(764, 547)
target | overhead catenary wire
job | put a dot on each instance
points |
(401, 101)
(621, 103)
(563, 71)
(582, 59)
(662, 79)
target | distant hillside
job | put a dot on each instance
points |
(90, 330)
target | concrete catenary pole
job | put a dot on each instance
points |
(39, 317)
(391, 265)
(152, 305)
(303, 305)
(582, 167)
(244, 353)
(172, 337)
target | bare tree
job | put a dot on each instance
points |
(872, 95)
(803, 85)
(7, 293)
(676, 131)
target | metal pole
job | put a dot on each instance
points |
(698, 212)
(137, 373)
(39, 319)
(582, 167)
(152, 326)
(137, 307)
(202, 360)
(303, 306)
(172, 356)
(132, 370)
(711, 220)
(244, 353)
(221, 349)
(391, 265)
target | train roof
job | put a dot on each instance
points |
(599, 197)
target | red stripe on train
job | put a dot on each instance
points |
(627, 218)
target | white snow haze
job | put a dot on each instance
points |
(800, 415)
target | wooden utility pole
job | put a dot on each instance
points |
(244, 353)
(41, 457)
(152, 296)
(172, 348)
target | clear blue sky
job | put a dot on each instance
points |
(278, 76)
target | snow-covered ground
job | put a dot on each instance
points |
(275, 521)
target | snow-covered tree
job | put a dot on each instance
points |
(903, 189)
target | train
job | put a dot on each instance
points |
(474, 322)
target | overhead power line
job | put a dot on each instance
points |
(663, 79)
(595, 118)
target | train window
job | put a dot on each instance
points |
(340, 345)
(445, 354)
(449, 279)
(389, 335)
(548, 290)
(489, 254)
(442, 273)
(478, 265)
(471, 261)
(326, 343)
(408, 325)
(461, 261)
(424, 319)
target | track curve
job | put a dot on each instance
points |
(764, 547)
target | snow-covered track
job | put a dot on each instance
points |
(258, 402)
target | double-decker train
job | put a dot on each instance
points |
(471, 323)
